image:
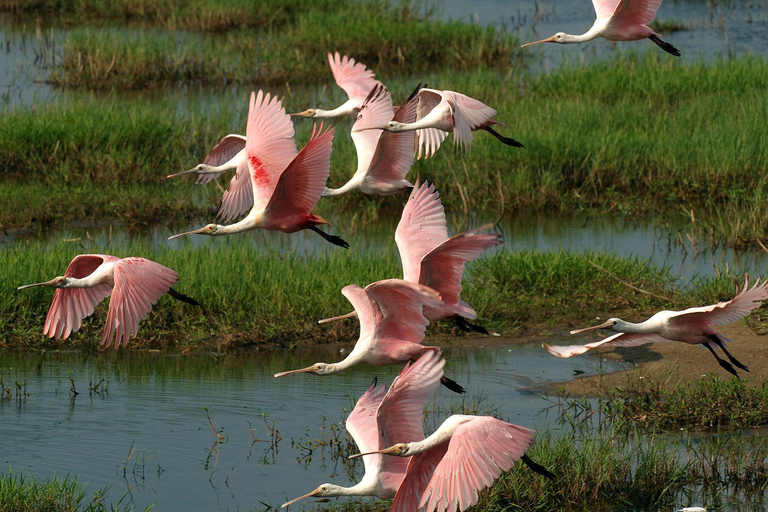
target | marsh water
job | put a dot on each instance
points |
(143, 429)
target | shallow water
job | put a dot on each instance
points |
(147, 435)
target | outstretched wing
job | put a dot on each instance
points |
(301, 184)
(238, 198)
(478, 452)
(604, 8)
(617, 340)
(443, 267)
(269, 146)
(421, 467)
(223, 152)
(724, 313)
(634, 12)
(428, 140)
(468, 114)
(375, 111)
(71, 305)
(139, 283)
(363, 427)
(354, 78)
(422, 227)
(400, 304)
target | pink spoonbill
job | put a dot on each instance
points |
(392, 326)
(383, 158)
(135, 285)
(354, 79)
(283, 194)
(382, 418)
(463, 456)
(439, 113)
(695, 326)
(618, 20)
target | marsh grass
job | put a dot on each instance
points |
(251, 296)
(18, 492)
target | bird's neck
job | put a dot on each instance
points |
(347, 187)
(632, 328)
(347, 109)
(352, 359)
(589, 35)
(252, 221)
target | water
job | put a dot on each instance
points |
(148, 436)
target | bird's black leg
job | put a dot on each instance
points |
(505, 140)
(732, 359)
(665, 45)
(538, 468)
(335, 240)
(452, 385)
(183, 298)
(462, 324)
(723, 363)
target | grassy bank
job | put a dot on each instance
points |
(633, 135)
(18, 492)
(256, 297)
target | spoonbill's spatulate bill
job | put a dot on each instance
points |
(383, 158)
(135, 285)
(618, 20)
(354, 79)
(382, 418)
(439, 113)
(695, 326)
(286, 185)
(392, 326)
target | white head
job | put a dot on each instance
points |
(317, 369)
(56, 282)
(325, 490)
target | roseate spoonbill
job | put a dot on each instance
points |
(392, 326)
(354, 78)
(134, 283)
(618, 20)
(229, 155)
(431, 258)
(380, 420)
(693, 325)
(283, 194)
(383, 158)
(441, 112)
(463, 456)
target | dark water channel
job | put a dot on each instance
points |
(146, 433)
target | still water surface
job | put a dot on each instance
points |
(154, 411)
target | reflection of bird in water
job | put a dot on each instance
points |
(694, 326)
(576, 371)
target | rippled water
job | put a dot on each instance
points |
(148, 435)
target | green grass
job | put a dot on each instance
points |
(20, 493)
(631, 135)
(256, 297)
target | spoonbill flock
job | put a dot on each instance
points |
(276, 186)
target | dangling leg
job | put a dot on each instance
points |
(505, 140)
(335, 240)
(538, 468)
(724, 364)
(462, 324)
(665, 45)
(736, 362)
(452, 385)
(183, 298)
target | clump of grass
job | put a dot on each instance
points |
(710, 403)
(18, 492)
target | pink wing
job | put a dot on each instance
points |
(724, 313)
(363, 427)
(401, 305)
(468, 114)
(394, 153)
(634, 12)
(400, 415)
(368, 314)
(375, 111)
(617, 340)
(422, 228)
(428, 140)
(443, 268)
(269, 147)
(301, 184)
(421, 467)
(71, 305)
(354, 78)
(139, 283)
(238, 198)
(478, 452)
(223, 152)
(604, 8)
